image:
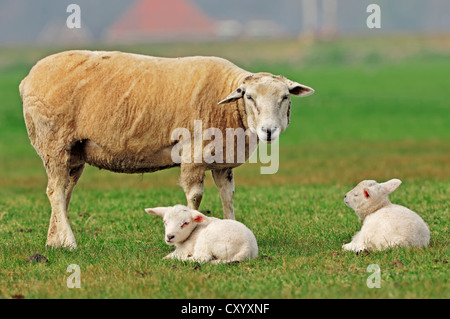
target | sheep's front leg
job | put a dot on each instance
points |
(224, 181)
(191, 179)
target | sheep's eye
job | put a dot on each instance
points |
(355, 195)
(250, 97)
(285, 98)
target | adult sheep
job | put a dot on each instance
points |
(116, 111)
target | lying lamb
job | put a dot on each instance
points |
(201, 238)
(385, 224)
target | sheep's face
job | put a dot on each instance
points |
(267, 103)
(369, 196)
(179, 222)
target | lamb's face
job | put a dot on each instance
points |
(267, 103)
(368, 196)
(359, 197)
(179, 222)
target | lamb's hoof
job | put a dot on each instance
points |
(197, 266)
(362, 252)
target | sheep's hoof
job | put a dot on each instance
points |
(66, 246)
(56, 242)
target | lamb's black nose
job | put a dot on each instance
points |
(170, 237)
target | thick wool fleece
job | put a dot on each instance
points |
(123, 107)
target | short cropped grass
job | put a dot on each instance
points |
(376, 118)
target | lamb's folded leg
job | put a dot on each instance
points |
(177, 255)
(357, 244)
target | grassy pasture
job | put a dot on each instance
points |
(378, 113)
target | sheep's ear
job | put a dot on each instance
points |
(297, 89)
(159, 211)
(391, 185)
(234, 96)
(198, 217)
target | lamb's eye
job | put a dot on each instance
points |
(249, 97)
(184, 224)
(285, 98)
(356, 195)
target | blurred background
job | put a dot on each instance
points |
(115, 21)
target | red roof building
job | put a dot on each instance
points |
(161, 19)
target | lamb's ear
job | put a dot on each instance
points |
(235, 95)
(198, 217)
(391, 185)
(297, 89)
(366, 193)
(159, 211)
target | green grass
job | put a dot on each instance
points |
(372, 117)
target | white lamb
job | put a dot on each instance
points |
(203, 239)
(385, 225)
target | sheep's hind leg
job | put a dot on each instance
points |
(59, 233)
(76, 168)
(224, 181)
(74, 176)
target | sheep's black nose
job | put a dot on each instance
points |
(268, 132)
(170, 237)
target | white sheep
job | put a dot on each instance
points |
(385, 225)
(203, 239)
(117, 111)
